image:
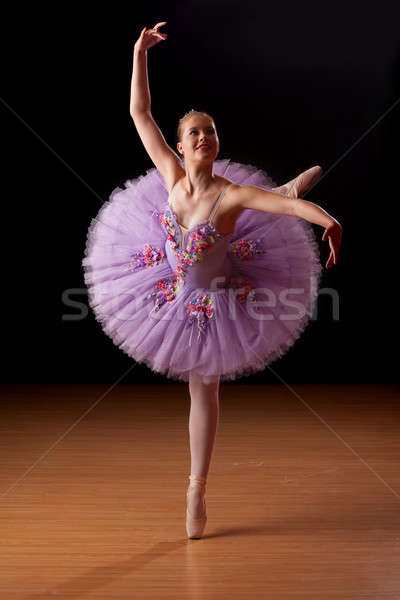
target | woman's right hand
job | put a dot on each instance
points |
(150, 37)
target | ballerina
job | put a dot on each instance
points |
(159, 250)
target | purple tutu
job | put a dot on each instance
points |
(219, 305)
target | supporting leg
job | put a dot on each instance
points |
(203, 421)
(203, 424)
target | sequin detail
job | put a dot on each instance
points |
(200, 309)
(148, 257)
(246, 249)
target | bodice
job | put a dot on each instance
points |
(199, 256)
(201, 259)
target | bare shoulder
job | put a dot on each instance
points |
(230, 208)
(232, 193)
(227, 185)
(238, 196)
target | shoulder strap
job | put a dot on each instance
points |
(218, 202)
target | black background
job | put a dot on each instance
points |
(290, 85)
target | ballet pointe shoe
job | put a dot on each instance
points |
(195, 526)
(296, 187)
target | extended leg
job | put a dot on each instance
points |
(296, 187)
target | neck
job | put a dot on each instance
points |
(198, 178)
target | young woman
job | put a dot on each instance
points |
(203, 269)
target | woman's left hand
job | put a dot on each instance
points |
(334, 234)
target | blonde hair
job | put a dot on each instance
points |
(186, 116)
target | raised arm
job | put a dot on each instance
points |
(251, 196)
(161, 154)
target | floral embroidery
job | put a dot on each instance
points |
(200, 309)
(167, 222)
(245, 249)
(199, 241)
(241, 282)
(148, 257)
(166, 289)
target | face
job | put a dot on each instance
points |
(199, 130)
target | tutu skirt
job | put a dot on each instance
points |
(219, 305)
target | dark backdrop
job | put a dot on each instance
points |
(290, 85)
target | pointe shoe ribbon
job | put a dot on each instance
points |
(195, 526)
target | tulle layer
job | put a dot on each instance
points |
(240, 337)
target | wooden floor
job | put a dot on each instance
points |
(303, 494)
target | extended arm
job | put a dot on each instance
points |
(162, 155)
(251, 196)
(140, 91)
